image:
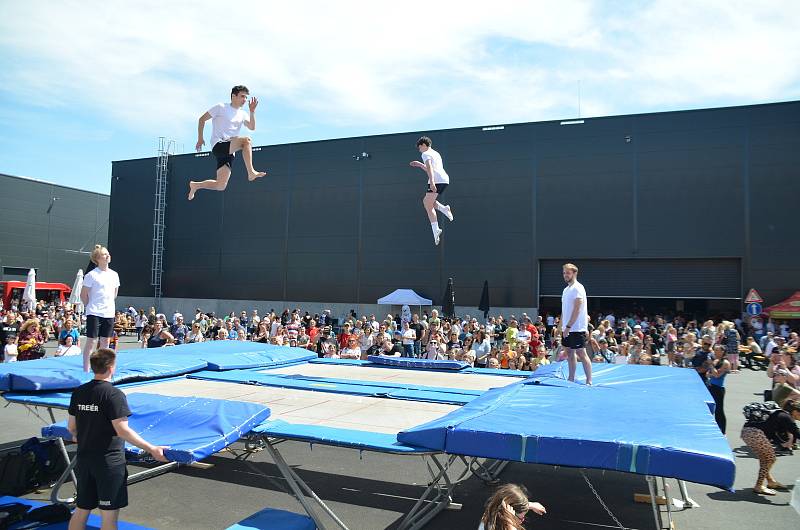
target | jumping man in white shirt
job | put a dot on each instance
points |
(226, 122)
(575, 322)
(438, 180)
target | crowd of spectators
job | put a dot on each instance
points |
(514, 342)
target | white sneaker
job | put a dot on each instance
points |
(448, 213)
(437, 236)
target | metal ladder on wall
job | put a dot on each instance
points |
(165, 147)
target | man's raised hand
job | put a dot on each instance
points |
(253, 103)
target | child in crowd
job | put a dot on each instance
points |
(506, 509)
(10, 349)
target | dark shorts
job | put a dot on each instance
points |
(222, 150)
(99, 327)
(575, 340)
(439, 189)
(101, 485)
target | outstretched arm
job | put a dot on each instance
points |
(251, 123)
(201, 123)
(132, 437)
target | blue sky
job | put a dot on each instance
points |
(84, 83)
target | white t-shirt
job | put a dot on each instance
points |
(409, 336)
(440, 176)
(64, 351)
(568, 297)
(10, 353)
(102, 290)
(226, 122)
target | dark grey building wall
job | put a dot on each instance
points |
(51, 242)
(714, 184)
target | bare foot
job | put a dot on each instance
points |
(258, 174)
(192, 190)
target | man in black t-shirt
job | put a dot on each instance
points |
(98, 421)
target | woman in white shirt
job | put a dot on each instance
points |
(67, 348)
(409, 336)
(482, 349)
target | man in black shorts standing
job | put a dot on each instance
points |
(227, 120)
(438, 180)
(575, 319)
(98, 421)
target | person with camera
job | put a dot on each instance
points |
(31, 341)
(779, 428)
(785, 375)
(702, 356)
(436, 349)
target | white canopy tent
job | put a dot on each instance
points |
(404, 297)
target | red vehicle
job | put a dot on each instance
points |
(49, 292)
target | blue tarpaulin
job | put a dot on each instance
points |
(639, 419)
(193, 428)
(62, 373)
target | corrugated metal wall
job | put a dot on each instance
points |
(49, 242)
(323, 226)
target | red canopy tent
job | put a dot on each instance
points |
(789, 308)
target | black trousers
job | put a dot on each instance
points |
(718, 393)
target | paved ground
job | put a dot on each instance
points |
(373, 491)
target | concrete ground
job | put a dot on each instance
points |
(374, 491)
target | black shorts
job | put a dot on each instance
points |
(575, 340)
(99, 327)
(101, 485)
(222, 150)
(439, 189)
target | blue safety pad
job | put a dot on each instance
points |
(641, 419)
(411, 362)
(234, 354)
(57, 400)
(61, 373)
(352, 438)
(271, 519)
(497, 371)
(94, 522)
(324, 360)
(60, 400)
(353, 387)
(193, 428)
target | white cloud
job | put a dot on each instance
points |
(155, 66)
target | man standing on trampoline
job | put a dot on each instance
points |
(227, 120)
(438, 180)
(575, 319)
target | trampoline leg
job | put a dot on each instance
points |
(688, 502)
(668, 497)
(294, 483)
(653, 486)
(69, 472)
(150, 473)
(434, 499)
